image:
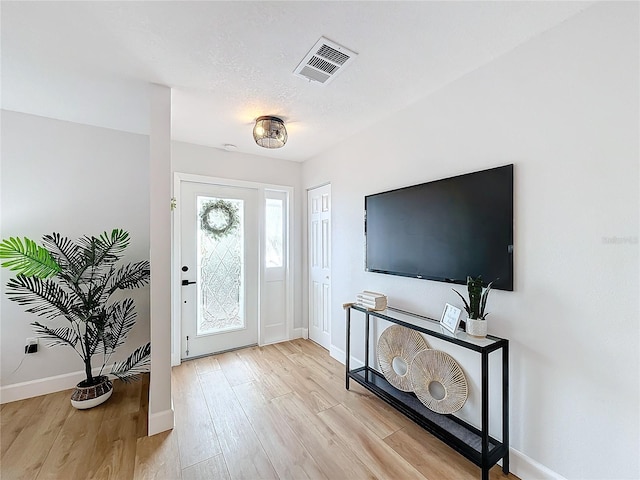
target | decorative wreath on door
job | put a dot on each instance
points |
(220, 209)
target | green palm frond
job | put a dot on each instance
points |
(132, 275)
(137, 363)
(106, 248)
(122, 318)
(95, 336)
(47, 297)
(65, 252)
(96, 291)
(27, 258)
(56, 336)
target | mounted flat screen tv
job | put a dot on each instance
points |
(445, 230)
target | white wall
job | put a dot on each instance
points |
(564, 109)
(73, 179)
(213, 162)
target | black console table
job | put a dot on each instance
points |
(475, 444)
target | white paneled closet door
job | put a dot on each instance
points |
(319, 215)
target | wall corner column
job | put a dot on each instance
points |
(161, 416)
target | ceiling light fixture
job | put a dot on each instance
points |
(270, 132)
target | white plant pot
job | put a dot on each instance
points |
(89, 397)
(476, 328)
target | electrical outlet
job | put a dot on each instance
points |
(31, 346)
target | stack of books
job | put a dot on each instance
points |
(372, 300)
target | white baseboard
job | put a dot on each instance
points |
(161, 421)
(340, 355)
(528, 469)
(158, 422)
(300, 333)
(43, 386)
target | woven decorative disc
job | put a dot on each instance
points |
(437, 366)
(404, 343)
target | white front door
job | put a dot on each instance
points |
(219, 268)
(319, 208)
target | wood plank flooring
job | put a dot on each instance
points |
(46, 438)
(274, 412)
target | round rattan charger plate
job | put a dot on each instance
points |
(437, 366)
(402, 342)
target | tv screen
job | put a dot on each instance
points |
(445, 230)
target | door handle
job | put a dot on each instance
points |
(186, 282)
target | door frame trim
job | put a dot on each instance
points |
(178, 178)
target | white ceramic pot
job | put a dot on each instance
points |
(477, 328)
(89, 397)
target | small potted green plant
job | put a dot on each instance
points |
(476, 324)
(76, 282)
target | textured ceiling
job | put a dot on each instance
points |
(230, 62)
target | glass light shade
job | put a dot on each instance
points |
(270, 132)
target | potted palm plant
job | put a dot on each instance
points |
(73, 285)
(476, 324)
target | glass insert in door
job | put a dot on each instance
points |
(221, 266)
(274, 233)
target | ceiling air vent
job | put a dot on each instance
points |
(324, 61)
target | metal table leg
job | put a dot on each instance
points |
(348, 347)
(366, 344)
(505, 406)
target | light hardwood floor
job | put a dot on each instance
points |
(274, 412)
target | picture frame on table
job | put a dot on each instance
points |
(450, 319)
